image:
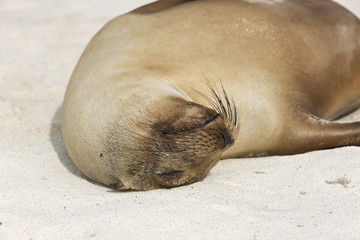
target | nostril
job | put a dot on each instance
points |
(227, 139)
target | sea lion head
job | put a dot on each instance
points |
(178, 143)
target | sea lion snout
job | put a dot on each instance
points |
(184, 157)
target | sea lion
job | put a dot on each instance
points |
(162, 93)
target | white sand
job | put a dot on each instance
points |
(43, 196)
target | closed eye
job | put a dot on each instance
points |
(171, 173)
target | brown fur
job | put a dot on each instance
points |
(140, 112)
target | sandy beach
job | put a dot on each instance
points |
(315, 195)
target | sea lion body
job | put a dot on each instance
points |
(290, 66)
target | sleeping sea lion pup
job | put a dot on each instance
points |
(157, 97)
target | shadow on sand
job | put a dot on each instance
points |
(59, 145)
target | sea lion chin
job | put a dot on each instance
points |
(140, 113)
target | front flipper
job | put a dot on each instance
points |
(309, 132)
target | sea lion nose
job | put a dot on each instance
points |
(227, 139)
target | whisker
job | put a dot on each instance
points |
(221, 102)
